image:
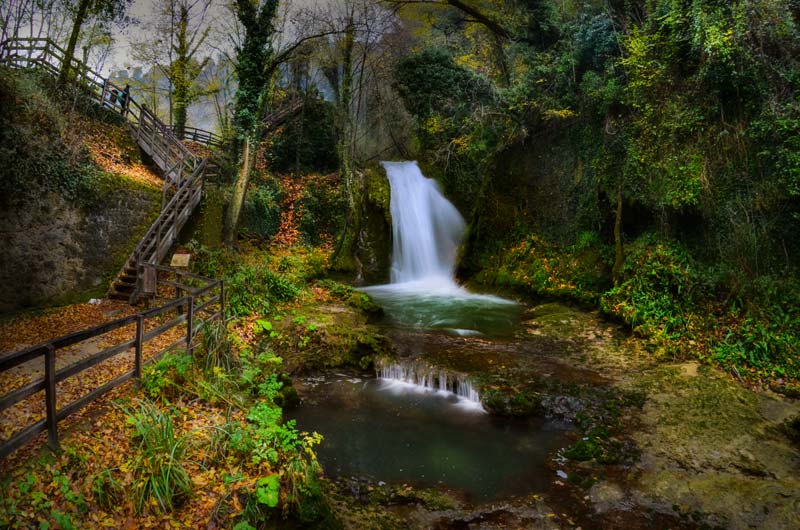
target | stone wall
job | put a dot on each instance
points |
(53, 251)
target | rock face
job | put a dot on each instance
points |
(374, 240)
(52, 250)
(713, 447)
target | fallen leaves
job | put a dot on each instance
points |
(104, 140)
(61, 321)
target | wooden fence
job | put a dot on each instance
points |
(197, 300)
(200, 136)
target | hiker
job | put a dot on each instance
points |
(124, 98)
(111, 97)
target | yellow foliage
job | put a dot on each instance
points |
(559, 114)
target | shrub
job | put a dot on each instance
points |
(660, 282)
(216, 347)
(168, 376)
(261, 214)
(39, 148)
(157, 465)
(251, 289)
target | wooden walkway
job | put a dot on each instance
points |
(183, 172)
(44, 384)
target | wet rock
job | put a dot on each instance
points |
(707, 448)
(607, 496)
(562, 407)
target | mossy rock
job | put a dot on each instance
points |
(507, 402)
(596, 445)
(428, 498)
(793, 430)
(363, 302)
(333, 336)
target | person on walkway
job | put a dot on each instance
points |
(124, 99)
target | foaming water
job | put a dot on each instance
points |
(427, 231)
(410, 376)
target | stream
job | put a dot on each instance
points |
(618, 440)
(418, 423)
(386, 432)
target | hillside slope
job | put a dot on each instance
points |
(74, 196)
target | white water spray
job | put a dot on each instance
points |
(426, 227)
(417, 376)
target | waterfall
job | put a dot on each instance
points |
(429, 378)
(427, 231)
(426, 227)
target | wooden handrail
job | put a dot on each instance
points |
(202, 136)
(183, 170)
(187, 308)
(180, 167)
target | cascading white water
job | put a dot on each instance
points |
(429, 378)
(427, 228)
(427, 231)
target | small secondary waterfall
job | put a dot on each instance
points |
(429, 378)
(426, 227)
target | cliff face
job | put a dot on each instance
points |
(74, 197)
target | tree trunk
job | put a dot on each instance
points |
(239, 190)
(345, 146)
(180, 107)
(345, 250)
(80, 18)
(180, 74)
(619, 256)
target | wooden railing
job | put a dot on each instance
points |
(200, 136)
(183, 172)
(197, 300)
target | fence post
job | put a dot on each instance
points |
(190, 325)
(178, 292)
(50, 397)
(137, 367)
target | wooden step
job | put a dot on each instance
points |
(114, 295)
(124, 287)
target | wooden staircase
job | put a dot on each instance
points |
(183, 172)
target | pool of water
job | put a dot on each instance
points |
(401, 434)
(439, 304)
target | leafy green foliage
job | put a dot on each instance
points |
(216, 347)
(431, 83)
(449, 103)
(252, 289)
(167, 377)
(321, 210)
(38, 150)
(660, 282)
(253, 57)
(261, 213)
(158, 466)
(764, 336)
(267, 489)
